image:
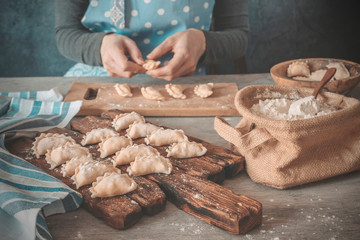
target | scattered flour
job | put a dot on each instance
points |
(291, 109)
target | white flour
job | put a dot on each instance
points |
(291, 109)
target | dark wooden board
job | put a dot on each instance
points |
(211, 202)
(191, 186)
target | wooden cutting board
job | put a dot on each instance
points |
(193, 186)
(100, 97)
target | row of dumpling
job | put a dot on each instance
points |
(300, 70)
(137, 127)
(79, 164)
(174, 90)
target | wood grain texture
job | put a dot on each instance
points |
(190, 178)
(100, 97)
(210, 202)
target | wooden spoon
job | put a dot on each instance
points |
(327, 76)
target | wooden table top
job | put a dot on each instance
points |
(329, 209)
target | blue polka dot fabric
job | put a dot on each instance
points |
(147, 22)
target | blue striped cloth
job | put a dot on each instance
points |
(27, 194)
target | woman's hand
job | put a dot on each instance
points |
(188, 46)
(114, 50)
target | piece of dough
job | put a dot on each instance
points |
(112, 184)
(341, 70)
(152, 94)
(124, 120)
(151, 64)
(111, 145)
(165, 137)
(48, 141)
(87, 172)
(175, 90)
(97, 135)
(140, 129)
(302, 78)
(186, 150)
(62, 154)
(149, 164)
(298, 69)
(128, 154)
(123, 90)
(204, 90)
(68, 169)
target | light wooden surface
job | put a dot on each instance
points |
(328, 209)
(221, 102)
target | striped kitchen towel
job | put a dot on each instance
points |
(27, 194)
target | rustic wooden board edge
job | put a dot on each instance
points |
(233, 213)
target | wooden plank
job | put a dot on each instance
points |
(210, 202)
(100, 97)
(147, 198)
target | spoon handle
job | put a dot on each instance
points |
(327, 76)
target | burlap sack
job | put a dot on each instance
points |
(283, 154)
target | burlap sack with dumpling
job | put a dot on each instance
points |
(282, 153)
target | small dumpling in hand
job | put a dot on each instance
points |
(165, 137)
(112, 184)
(175, 90)
(140, 129)
(87, 172)
(111, 145)
(298, 68)
(123, 90)
(341, 70)
(204, 90)
(152, 94)
(151, 64)
(97, 135)
(68, 169)
(149, 164)
(48, 141)
(62, 154)
(128, 154)
(124, 120)
(186, 150)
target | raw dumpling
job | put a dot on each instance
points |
(341, 70)
(318, 75)
(298, 69)
(152, 94)
(48, 141)
(149, 164)
(61, 154)
(113, 144)
(112, 184)
(128, 154)
(151, 64)
(204, 90)
(175, 90)
(165, 137)
(97, 135)
(140, 129)
(123, 90)
(186, 150)
(124, 120)
(68, 169)
(87, 172)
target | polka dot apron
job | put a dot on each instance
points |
(147, 22)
